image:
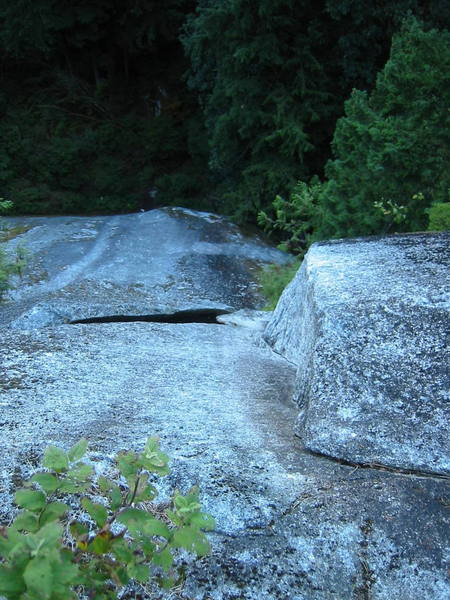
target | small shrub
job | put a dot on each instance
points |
(9, 267)
(439, 217)
(274, 279)
(113, 542)
(297, 218)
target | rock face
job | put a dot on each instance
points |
(140, 264)
(366, 321)
(291, 525)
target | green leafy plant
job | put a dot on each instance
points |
(393, 142)
(119, 534)
(9, 267)
(439, 217)
(274, 279)
(394, 213)
(297, 218)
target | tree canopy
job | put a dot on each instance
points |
(214, 104)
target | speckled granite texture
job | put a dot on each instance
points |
(366, 322)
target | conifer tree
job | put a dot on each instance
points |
(392, 147)
(272, 75)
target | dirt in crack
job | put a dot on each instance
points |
(200, 315)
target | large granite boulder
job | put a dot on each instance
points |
(366, 321)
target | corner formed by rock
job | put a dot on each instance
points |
(366, 322)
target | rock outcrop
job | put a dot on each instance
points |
(291, 524)
(160, 261)
(366, 322)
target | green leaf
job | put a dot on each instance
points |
(97, 512)
(134, 519)
(101, 544)
(78, 529)
(121, 550)
(153, 459)
(65, 574)
(115, 497)
(191, 540)
(128, 465)
(167, 582)
(156, 527)
(78, 450)
(139, 572)
(105, 484)
(163, 559)
(48, 482)
(145, 491)
(112, 490)
(30, 499)
(82, 472)
(11, 582)
(53, 512)
(26, 521)
(203, 521)
(147, 547)
(51, 534)
(55, 459)
(176, 520)
(137, 520)
(38, 577)
(10, 539)
(122, 575)
(72, 487)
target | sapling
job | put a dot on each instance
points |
(46, 555)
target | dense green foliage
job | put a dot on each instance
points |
(9, 266)
(96, 114)
(274, 279)
(116, 533)
(391, 151)
(393, 146)
(439, 217)
(271, 77)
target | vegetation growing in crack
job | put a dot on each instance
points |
(118, 535)
(9, 266)
(274, 279)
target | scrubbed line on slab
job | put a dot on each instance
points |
(204, 315)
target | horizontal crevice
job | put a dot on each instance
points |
(379, 467)
(201, 315)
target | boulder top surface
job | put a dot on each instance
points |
(160, 261)
(367, 321)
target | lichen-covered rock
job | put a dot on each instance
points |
(367, 323)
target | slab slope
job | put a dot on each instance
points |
(163, 260)
(291, 525)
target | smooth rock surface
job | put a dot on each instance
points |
(246, 317)
(162, 260)
(290, 525)
(367, 323)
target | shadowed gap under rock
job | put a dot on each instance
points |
(203, 315)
